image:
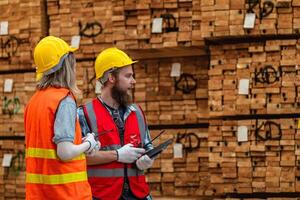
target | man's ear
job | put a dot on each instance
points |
(111, 78)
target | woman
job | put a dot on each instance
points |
(55, 163)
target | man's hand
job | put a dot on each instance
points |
(144, 162)
(129, 154)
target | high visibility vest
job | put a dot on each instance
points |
(48, 177)
(107, 180)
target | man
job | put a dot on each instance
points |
(55, 163)
(116, 171)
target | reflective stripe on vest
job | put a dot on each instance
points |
(56, 179)
(141, 123)
(92, 118)
(47, 154)
(113, 172)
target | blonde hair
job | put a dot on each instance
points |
(64, 77)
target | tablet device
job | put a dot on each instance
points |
(157, 150)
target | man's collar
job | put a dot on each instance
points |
(130, 107)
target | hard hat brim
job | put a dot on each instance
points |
(134, 61)
(73, 49)
(38, 76)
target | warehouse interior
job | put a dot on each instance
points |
(220, 77)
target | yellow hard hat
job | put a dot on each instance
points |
(48, 54)
(110, 58)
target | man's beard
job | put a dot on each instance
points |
(120, 96)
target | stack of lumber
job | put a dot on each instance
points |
(266, 161)
(12, 179)
(222, 18)
(271, 69)
(26, 25)
(164, 104)
(125, 24)
(259, 164)
(13, 103)
(185, 176)
(88, 19)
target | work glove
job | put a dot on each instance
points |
(129, 154)
(94, 150)
(94, 145)
(144, 162)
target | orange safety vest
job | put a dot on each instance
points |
(48, 177)
(107, 180)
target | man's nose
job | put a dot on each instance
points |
(133, 81)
